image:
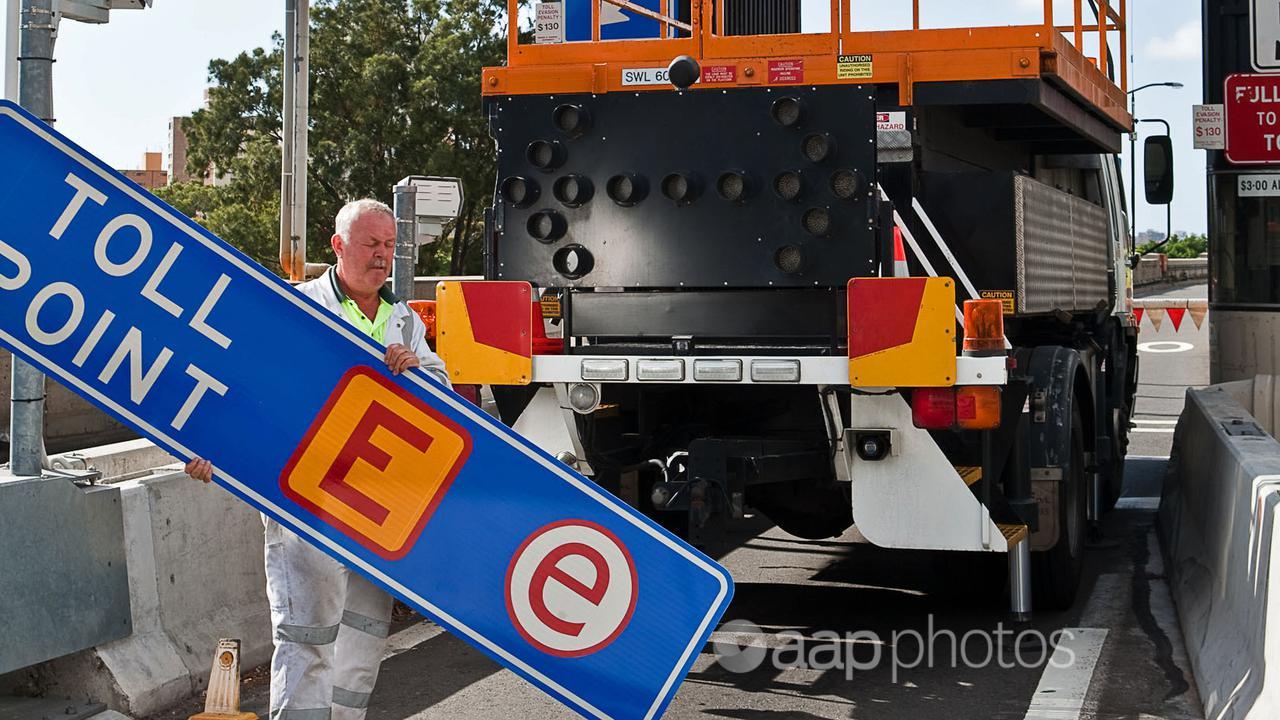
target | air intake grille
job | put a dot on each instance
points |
(761, 17)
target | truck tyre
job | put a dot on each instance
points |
(1055, 573)
(1122, 384)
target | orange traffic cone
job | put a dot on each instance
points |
(900, 268)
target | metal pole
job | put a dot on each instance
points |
(1020, 579)
(11, 12)
(405, 206)
(35, 93)
(1133, 171)
(286, 135)
(301, 130)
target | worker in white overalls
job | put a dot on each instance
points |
(329, 624)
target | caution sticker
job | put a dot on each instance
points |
(550, 306)
(853, 67)
(786, 71)
(720, 73)
(1004, 296)
(376, 462)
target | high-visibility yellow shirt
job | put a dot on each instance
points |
(375, 328)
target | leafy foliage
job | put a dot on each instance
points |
(1183, 245)
(395, 91)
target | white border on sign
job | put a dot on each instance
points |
(420, 379)
(1226, 119)
(1253, 42)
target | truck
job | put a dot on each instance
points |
(870, 284)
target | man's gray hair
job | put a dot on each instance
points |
(353, 211)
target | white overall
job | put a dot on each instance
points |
(329, 624)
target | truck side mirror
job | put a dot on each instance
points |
(1158, 169)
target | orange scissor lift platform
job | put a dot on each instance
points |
(1044, 66)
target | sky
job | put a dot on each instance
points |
(117, 85)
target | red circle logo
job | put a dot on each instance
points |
(571, 588)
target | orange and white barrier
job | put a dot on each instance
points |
(1154, 312)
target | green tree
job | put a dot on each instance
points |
(1183, 245)
(395, 91)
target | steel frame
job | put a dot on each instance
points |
(904, 57)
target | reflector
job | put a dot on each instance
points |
(818, 146)
(520, 192)
(787, 111)
(732, 186)
(787, 184)
(573, 190)
(626, 189)
(679, 188)
(789, 259)
(845, 183)
(573, 120)
(546, 226)
(817, 221)
(545, 155)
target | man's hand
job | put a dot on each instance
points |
(200, 469)
(400, 358)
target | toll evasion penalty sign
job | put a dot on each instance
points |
(122, 299)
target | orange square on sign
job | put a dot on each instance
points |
(375, 462)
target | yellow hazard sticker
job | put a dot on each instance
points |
(853, 67)
(550, 306)
(1004, 296)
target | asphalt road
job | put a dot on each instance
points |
(1121, 655)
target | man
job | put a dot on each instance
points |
(330, 624)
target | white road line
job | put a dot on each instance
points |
(1155, 422)
(1167, 430)
(1065, 682)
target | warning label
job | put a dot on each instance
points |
(720, 73)
(550, 306)
(786, 71)
(1004, 296)
(853, 67)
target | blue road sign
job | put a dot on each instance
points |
(122, 299)
(615, 23)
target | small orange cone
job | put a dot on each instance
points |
(222, 700)
(900, 268)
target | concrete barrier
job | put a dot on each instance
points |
(1218, 520)
(194, 555)
(1159, 268)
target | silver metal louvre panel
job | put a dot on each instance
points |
(1061, 245)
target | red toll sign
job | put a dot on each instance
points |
(1253, 119)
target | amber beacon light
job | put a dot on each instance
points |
(983, 328)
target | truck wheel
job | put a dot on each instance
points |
(1055, 573)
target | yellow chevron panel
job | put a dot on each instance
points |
(881, 353)
(470, 361)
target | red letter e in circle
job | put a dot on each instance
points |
(571, 588)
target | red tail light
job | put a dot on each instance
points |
(470, 393)
(933, 408)
(974, 407)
